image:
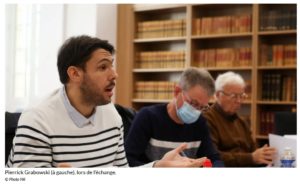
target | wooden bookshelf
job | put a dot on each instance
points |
(151, 100)
(203, 30)
(144, 40)
(233, 35)
(276, 72)
(283, 32)
(152, 70)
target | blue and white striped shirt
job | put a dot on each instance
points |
(52, 133)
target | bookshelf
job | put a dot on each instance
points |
(156, 42)
(276, 64)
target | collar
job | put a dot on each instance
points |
(218, 108)
(78, 119)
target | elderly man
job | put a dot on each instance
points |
(230, 134)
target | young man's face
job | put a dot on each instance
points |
(98, 79)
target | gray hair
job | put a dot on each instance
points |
(229, 78)
(194, 76)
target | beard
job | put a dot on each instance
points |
(90, 94)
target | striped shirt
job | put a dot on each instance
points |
(47, 135)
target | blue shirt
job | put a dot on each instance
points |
(78, 119)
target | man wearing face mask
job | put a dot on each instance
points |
(159, 128)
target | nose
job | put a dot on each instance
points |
(114, 74)
(239, 99)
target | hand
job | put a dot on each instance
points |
(264, 155)
(173, 159)
(64, 165)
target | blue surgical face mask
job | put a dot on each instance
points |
(186, 113)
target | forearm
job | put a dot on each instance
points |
(30, 150)
(237, 159)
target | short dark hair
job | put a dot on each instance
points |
(76, 51)
(196, 76)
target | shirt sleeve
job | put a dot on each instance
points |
(237, 159)
(120, 159)
(138, 139)
(31, 146)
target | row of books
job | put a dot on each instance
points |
(224, 57)
(160, 59)
(165, 89)
(278, 87)
(164, 28)
(278, 20)
(278, 55)
(222, 25)
(154, 89)
(266, 122)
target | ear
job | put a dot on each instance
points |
(75, 74)
(177, 90)
(217, 94)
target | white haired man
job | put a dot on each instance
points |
(230, 134)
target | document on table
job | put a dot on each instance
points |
(280, 142)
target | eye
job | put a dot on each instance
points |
(194, 104)
(233, 96)
(102, 67)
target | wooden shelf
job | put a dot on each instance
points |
(158, 70)
(149, 7)
(233, 35)
(151, 100)
(227, 68)
(246, 102)
(167, 39)
(280, 32)
(276, 102)
(276, 67)
(129, 46)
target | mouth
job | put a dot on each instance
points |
(109, 89)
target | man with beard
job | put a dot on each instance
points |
(77, 125)
(229, 132)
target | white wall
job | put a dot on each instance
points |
(80, 19)
(107, 23)
(52, 37)
(44, 78)
(60, 22)
(9, 55)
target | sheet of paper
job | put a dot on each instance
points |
(290, 136)
(280, 142)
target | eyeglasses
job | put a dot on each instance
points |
(195, 104)
(235, 96)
